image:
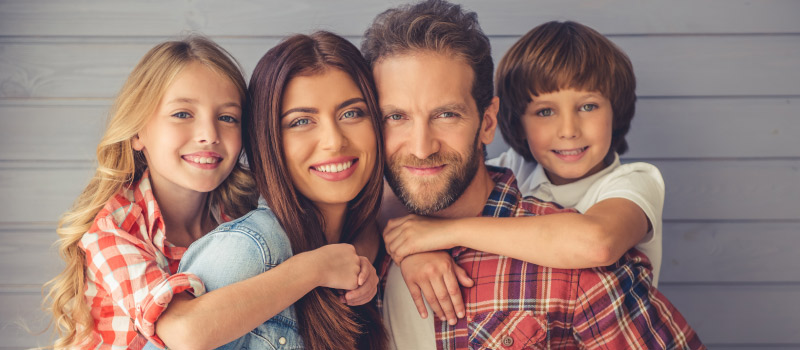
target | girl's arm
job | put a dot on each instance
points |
(243, 295)
(565, 240)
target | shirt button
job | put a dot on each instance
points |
(508, 341)
(282, 341)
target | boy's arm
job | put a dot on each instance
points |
(566, 240)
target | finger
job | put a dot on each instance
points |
(443, 297)
(366, 269)
(416, 295)
(454, 290)
(430, 296)
(463, 278)
(393, 223)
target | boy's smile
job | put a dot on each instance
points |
(569, 133)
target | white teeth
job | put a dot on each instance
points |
(334, 168)
(573, 152)
(204, 160)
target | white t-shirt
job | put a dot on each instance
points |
(407, 329)
(640, 183)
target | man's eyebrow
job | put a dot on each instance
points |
(301, 110)
(452, 107)
(391, 109)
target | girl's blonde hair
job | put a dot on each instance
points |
(119, 165)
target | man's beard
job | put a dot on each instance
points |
(425, 197)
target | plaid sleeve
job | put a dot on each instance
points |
(618, 308)
(129, 270)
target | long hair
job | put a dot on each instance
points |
(324, 322)
(118, 165)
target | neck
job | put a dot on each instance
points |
(473, 200)
(184, 214)
(334, 220)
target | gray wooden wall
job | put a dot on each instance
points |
(719, 94)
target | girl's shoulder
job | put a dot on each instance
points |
(260, 226)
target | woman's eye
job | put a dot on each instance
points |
(352, 114)
(228, 119)
(588, 107)
(545, 112)
(182, 115)
(299, 122)
(394, 117)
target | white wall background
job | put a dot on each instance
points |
(719, 94)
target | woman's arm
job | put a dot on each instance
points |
(565, 240)
(243, 295)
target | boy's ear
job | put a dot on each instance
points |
(489, 124)
(136, 143)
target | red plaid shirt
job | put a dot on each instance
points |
(131, 270)
(519, 305)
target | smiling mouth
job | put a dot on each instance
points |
(335, 167)
(570, 152)
(203, 160)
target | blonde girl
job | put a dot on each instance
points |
(169, 158)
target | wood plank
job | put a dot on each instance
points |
(731, 189)
(696, 190)
(28, 255)
(663, 129)
(665, 66)
(739, 314)
(21, 318)
(724, 252)
(270, 18)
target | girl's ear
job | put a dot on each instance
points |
(137, 143)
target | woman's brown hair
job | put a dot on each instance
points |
(324, 322)
(562, 55)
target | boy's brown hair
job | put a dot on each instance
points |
(562, 55)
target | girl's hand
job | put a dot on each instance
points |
(436, 276)
(367, 285)
(337, 266)
(413, 234)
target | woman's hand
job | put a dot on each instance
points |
(337, 266)
(367, 285)
(413, 234)
(436, 276)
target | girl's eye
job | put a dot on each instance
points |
(545, 112)
(355, 113)
(182, 115)
(394, 117)
(588, 107)
(228, 119)
(300, 122)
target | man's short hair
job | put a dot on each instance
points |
(436, 26)
(562, 55)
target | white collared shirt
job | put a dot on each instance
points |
(639, 182)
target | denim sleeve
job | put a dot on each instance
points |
(236, 252)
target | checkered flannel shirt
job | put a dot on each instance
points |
(131, 270)
(519, 305)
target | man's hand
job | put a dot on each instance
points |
(413, 234)
(436, 276)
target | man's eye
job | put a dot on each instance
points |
(545, 112)
(394, 117)
(448, 115)
(182, 115)
(588, 107)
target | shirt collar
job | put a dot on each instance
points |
(539, 178)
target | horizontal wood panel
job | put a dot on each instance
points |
(269, 18)
(665, 66)
(663, 128)
(731, 189)
(716, 252)
(695, 190)
(722, 252)
(22, 320)
(739, 314)
(20, 247)
(717, 313)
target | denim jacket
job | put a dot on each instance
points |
(238, 250)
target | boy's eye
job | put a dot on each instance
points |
(588, 107)
(228, 119)
(182, 115)
(545, 112)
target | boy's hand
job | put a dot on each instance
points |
(436, 276)
(413, 234)
(367, 285)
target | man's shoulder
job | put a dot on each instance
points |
(507, 192)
